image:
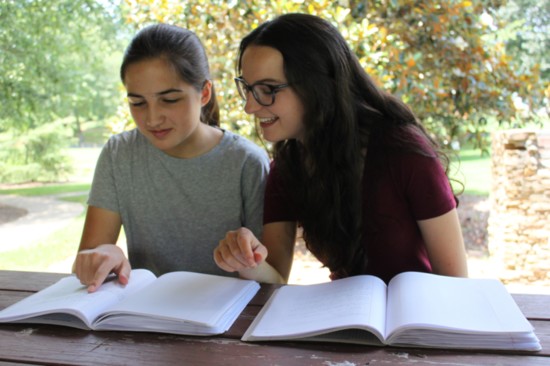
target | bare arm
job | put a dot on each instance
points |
(269, 261)
(98, 256)
(101, 227)
(445, 245)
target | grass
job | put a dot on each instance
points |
(63, 243)
(473, 171)
(55, 248)
(44, 190)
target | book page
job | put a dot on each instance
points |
(462, 305)
(202, 299)
(69, 296)
(296, 311)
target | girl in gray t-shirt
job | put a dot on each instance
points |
(177, 183)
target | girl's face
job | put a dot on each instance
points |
(166, 109)
(283, 119)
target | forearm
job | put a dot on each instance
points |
(445, 245)
(100, 227)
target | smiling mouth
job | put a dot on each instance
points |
(264, 122)
(160, 133)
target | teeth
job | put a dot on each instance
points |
(267, 120)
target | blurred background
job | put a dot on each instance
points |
(467, 68)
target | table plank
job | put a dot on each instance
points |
(28, 281)
(67, 346)
(534, 307)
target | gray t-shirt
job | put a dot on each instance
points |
(175, 211)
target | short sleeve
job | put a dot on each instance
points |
(427, 187)
(103, 192)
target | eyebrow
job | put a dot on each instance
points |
(269, 81)
(164, 92)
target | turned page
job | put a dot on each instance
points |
(296, 311)
(427, 301)
(69, 296)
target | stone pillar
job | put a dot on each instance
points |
(519, 222)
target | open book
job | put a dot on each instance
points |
(176, 302)
(415, 309)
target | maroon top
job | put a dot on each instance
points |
(399, 188)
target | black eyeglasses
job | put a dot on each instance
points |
(262, 92)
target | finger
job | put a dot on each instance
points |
(123, 272)
(87, 265)
(245, 242)
(260, 254)
(99, 277)
(232, 253)
(218, 258)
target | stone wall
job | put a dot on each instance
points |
(519, 222)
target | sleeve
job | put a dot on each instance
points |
(103, 192)
(254, 177)
(427, 187)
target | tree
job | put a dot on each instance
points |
(432, 54)
(52, 68)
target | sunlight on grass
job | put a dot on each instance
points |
(473, 171)
(48, 189)
(55, 248)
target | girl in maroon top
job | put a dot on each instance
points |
(352, 165)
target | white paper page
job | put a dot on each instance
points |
(69, 296)
(305, 310)
(193, 297)
(462, 304)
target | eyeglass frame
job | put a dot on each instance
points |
(273, 89)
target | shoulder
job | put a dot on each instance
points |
(124, 146)
(240, 146)
(125, 140)
(405, 139)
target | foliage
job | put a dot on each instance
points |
(526, 33)
(53, 63)
(53, 66)
(25, 157)
(433, 54)
(465, 67)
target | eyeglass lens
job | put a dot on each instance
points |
(264, 94)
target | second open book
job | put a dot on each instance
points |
(418, 309)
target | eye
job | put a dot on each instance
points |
(171, 101)
(136, 102)
(264, 89)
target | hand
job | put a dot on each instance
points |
(239, 250)
(92, 266)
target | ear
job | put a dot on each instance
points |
(206, 92)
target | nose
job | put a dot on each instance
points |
(155, 116)
(251, 105)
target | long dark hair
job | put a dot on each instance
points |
(345, 113)
(183, 50)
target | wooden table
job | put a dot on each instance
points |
(55, 345)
